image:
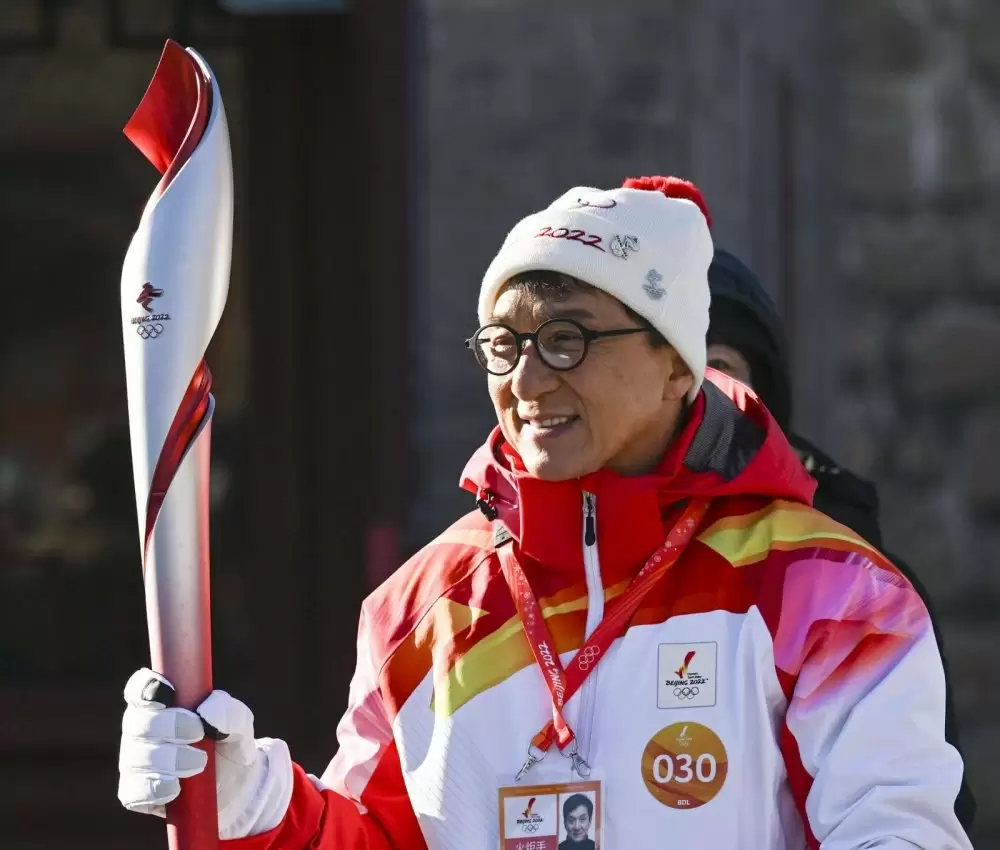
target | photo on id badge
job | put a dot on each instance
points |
(551, 817)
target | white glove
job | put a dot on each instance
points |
(253, 779)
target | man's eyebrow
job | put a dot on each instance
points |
(578, 313)
(571, 313)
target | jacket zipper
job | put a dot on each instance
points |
(595, 613)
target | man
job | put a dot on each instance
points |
(578, 812)
(746, 341)
(644, 595)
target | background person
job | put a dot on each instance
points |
(746, 340)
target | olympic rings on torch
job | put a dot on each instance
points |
(149, 331)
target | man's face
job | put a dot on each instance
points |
(578, 824)
(618, 408)
(730, 361)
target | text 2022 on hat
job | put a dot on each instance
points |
(648, 244)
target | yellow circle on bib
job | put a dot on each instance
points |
(684, 765)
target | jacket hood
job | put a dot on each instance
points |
(730, 446)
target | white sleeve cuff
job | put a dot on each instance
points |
(262, 804)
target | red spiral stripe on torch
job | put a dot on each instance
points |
(170, 120)
(187, 422)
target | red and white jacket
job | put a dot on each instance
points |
(812, 661)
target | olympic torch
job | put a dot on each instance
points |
(174, 285)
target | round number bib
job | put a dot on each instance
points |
(684, 765)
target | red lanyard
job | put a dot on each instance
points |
(563, 683)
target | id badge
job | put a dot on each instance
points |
(552, 816)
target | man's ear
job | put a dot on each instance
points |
(679, 379)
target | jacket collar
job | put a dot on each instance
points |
(729, 446)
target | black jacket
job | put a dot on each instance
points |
(744, 317)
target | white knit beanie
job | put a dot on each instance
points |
(647, 244)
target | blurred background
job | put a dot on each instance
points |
(849, 150)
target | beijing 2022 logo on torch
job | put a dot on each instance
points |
(149, 326)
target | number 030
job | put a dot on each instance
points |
(678, 768)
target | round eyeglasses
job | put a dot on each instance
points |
(561, 344)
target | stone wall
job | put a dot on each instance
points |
(919, 265)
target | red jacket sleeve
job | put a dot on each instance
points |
(361, 802)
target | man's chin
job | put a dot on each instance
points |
(551, 470)
(554, 466)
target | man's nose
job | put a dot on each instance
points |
(531, 378)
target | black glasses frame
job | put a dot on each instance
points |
(520, 339)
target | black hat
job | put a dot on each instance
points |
(744, 317)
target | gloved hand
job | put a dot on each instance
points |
(253, 779)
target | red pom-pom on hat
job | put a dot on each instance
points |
(672, 187)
